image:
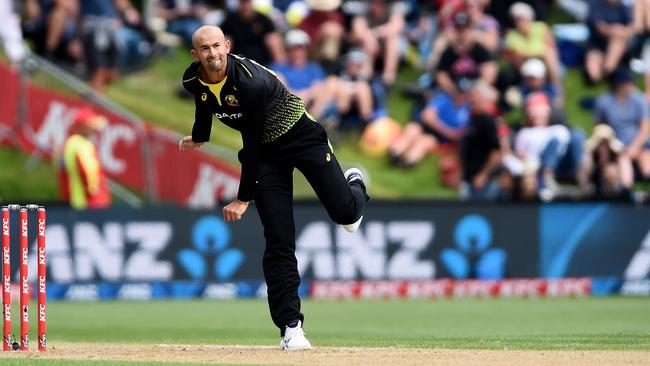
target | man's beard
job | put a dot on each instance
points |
(214, 65)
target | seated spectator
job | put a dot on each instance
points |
(136, 40)
(531, 39)
(183, 16)
(53, 26)
(625, 109)
(464, 58)
(443, 120)
(354, 98)
(601, 176)
(480, 152)
(421, 33)
(379, 32)
(326, 27)
(540, 144)
(486, 28)
(304, 77)
(610, 30)
(253, 35)
(535, 79)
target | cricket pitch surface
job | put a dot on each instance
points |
(271, 355)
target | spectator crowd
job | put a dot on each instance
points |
(481, 63)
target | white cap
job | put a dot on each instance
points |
(522, 10)
(534, 68)
(323, 5)
(296, 37)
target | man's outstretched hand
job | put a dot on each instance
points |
(186, 143)
(235, 210)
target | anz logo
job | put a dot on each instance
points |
(474, 257)
(228, 116)
(211, 256)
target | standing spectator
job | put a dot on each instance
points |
(379, 32)
(531, 39)
(480, 152)
(464, 59)
(183, 16)
(625, 109)
(610, 30)
(82, 179)
(100, 26)
(253, 34)
(304, 77)
(443, 120)
(326, 27)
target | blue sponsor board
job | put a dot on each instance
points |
(173, 252)
(600, 240)
(161, 290)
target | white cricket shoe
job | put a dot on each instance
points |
(351, 175)
(294, 339)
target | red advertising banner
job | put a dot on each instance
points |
(136, 155)
(446, 288)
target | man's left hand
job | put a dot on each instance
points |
(235, 210)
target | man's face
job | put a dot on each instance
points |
(211, 48)
(625, 89)
(298, 54)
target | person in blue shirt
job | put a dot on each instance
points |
(625, 109)
(443, 120)
(304, 77)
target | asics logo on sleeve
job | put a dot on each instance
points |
(229, 116)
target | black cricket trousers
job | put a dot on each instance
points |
(305, 147)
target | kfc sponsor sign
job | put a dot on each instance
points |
(191, 178)
(446, 288)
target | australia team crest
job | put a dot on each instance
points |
(231, 100)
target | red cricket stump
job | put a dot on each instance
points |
(24, 282)
(6, 280)
(42, 298)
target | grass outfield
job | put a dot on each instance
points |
(103, 333)
(588, 323)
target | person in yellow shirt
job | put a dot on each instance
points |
(82, 179)
(532, 39)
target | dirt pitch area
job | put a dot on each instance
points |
(329, 355)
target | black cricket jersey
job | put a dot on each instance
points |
(249, 99)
